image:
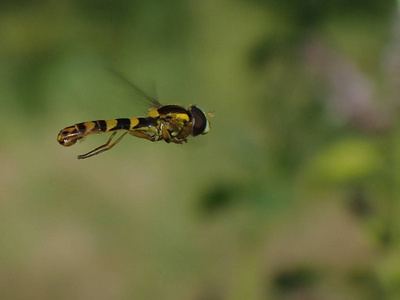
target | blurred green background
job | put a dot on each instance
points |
(294, 194)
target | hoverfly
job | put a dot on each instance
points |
(171, 123)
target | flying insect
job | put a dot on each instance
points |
(170, 123)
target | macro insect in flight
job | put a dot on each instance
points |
(171, 123)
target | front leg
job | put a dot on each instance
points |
(165, 134)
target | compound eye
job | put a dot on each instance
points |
(200, 121)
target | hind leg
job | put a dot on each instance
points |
(104, 147)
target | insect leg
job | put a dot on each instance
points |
(165, 134)
(103, 147)
(142, 135)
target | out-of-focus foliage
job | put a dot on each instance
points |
(294, 194)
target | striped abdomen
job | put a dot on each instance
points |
(69, 135)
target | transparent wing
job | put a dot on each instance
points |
(154, 102)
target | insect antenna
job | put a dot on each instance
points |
(210, 113)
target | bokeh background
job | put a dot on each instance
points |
(294, 194)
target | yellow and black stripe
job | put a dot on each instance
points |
(69, 135)
(171, 123)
